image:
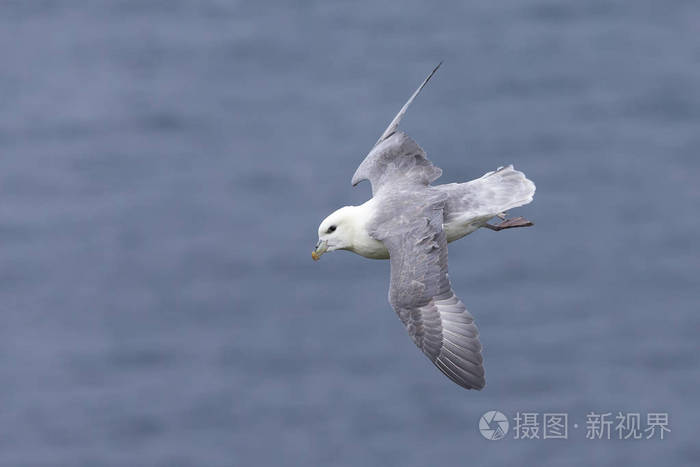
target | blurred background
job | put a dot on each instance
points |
(164, 166)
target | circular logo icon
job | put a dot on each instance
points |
(493, 425)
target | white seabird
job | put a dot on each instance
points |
(410, 222)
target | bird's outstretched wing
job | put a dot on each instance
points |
(396, 160)
(396, 155)
(394, 125)
(410, 225)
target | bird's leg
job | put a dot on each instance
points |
(510, 224)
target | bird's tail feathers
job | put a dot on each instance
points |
(477, 201)
(503, 189)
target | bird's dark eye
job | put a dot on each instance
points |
(331, 229)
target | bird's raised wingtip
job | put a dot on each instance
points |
(391, 129)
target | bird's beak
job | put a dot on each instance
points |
(320, 249)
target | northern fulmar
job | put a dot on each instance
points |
(410, 222)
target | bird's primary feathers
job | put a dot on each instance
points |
(410, 222)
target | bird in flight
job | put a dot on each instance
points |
(410, 222)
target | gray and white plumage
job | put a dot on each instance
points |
(410, 222)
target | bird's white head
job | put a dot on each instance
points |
(336, 232)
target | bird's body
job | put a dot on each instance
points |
(461, 214)
(410, 222)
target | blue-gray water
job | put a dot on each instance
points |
(163, 169)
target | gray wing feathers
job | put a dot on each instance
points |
(393, 126)
(460, 357)
(445, 331)
(420, 292)
(395, 155)
(396, 160)
(483, 198)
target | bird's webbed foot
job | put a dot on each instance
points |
(510, 224)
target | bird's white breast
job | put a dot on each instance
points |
(363, 244)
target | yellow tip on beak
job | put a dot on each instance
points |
(320, 249)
